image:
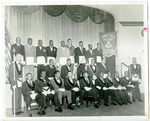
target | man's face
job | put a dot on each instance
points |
(43, 74)
(57, 74)
(81, 44)
(134, 60)
(98, 45)
(51, 62)
(40, 43)
(29, 77)
(51, 43)
(62, 43)
(18, 58)
(126, 74)
(117, 74)
(30, 41)
(92, 62)
(109, 74)
(90, 47)
(69, 74)
(18, 40)
(68, 62)
(101, 75)
(70, 42)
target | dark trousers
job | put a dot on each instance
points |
(123, 95)
(18, 100)
(113, 94)
(41, 100)
(28, 101)
(40, 68)
(80, 69)
(74, 95)
(136, 90)
(54, 97)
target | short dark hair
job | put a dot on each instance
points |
(80, 42)
(57, 71)
(28, 74)
(29, 39)
(39, 40)
(50, 60)
(51, 41)
(98, 43)
(68, 40)
(68, 59)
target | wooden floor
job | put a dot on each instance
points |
(136, 108)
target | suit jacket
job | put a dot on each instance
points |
(52, 53)
(116, 83)
(62, 53)
(124, 81)
(91, 71)
(30, 52)
(26, 88)
(71, 49)
(18, 74)
(50, 72)
(108, 82)
(56, 85)
(69, 85)
(65, 70)
(89, 55)
(97, 52)
(83, 83)
(41, 52)
(40, 84)
(137, 70)
(99, 82)
(79, 53)
(103, 69)
(18, 50)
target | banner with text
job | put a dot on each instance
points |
(108, 42)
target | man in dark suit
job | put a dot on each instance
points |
(58, 84)
(80, 51)
(15, 76)
(28, 91)
(66, 68)
(40, 53)
(50, 69)
(87, 86)
(45, 87)
(89, 53)
(136, 76)
(51, 50)
(98, 52)
(18, 49)
(72, 84)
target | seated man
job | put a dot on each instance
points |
(28, 91)
(111, 90)
(50, 69)
(72, 85)
(66, 68)
(44, 87)
(126, 82)
(121, 91)
(87, 86)
(58, 84)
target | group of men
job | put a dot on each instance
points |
(56, 80)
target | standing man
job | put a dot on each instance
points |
(89, 53)
(136, 76)
(51, 50)
(97, 52)
(18, 48)
(62, 55)
(80, 52)
(30, 55)
(70, 47)
(40, 55)
(15, 75)
(66, 68)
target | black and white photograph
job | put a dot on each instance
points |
(82, 59)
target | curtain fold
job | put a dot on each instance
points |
(54, 10)
(26, 9)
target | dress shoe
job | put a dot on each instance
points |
(120, 103)
(113, 103)
(20, 112)
(130, 102)
(106, 104)
(140, 100)
(70, 107)
(17, 113)
(125, 103)
(96, 106)
(60, 109)
(39, 113)
(133, 100)
(30, 114)
(43, 112)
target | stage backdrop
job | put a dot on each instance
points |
(40, 25)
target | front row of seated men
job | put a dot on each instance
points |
(43, 90)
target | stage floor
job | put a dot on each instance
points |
(134, 109)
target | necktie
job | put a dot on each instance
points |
(19, 66)
(30, 82)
